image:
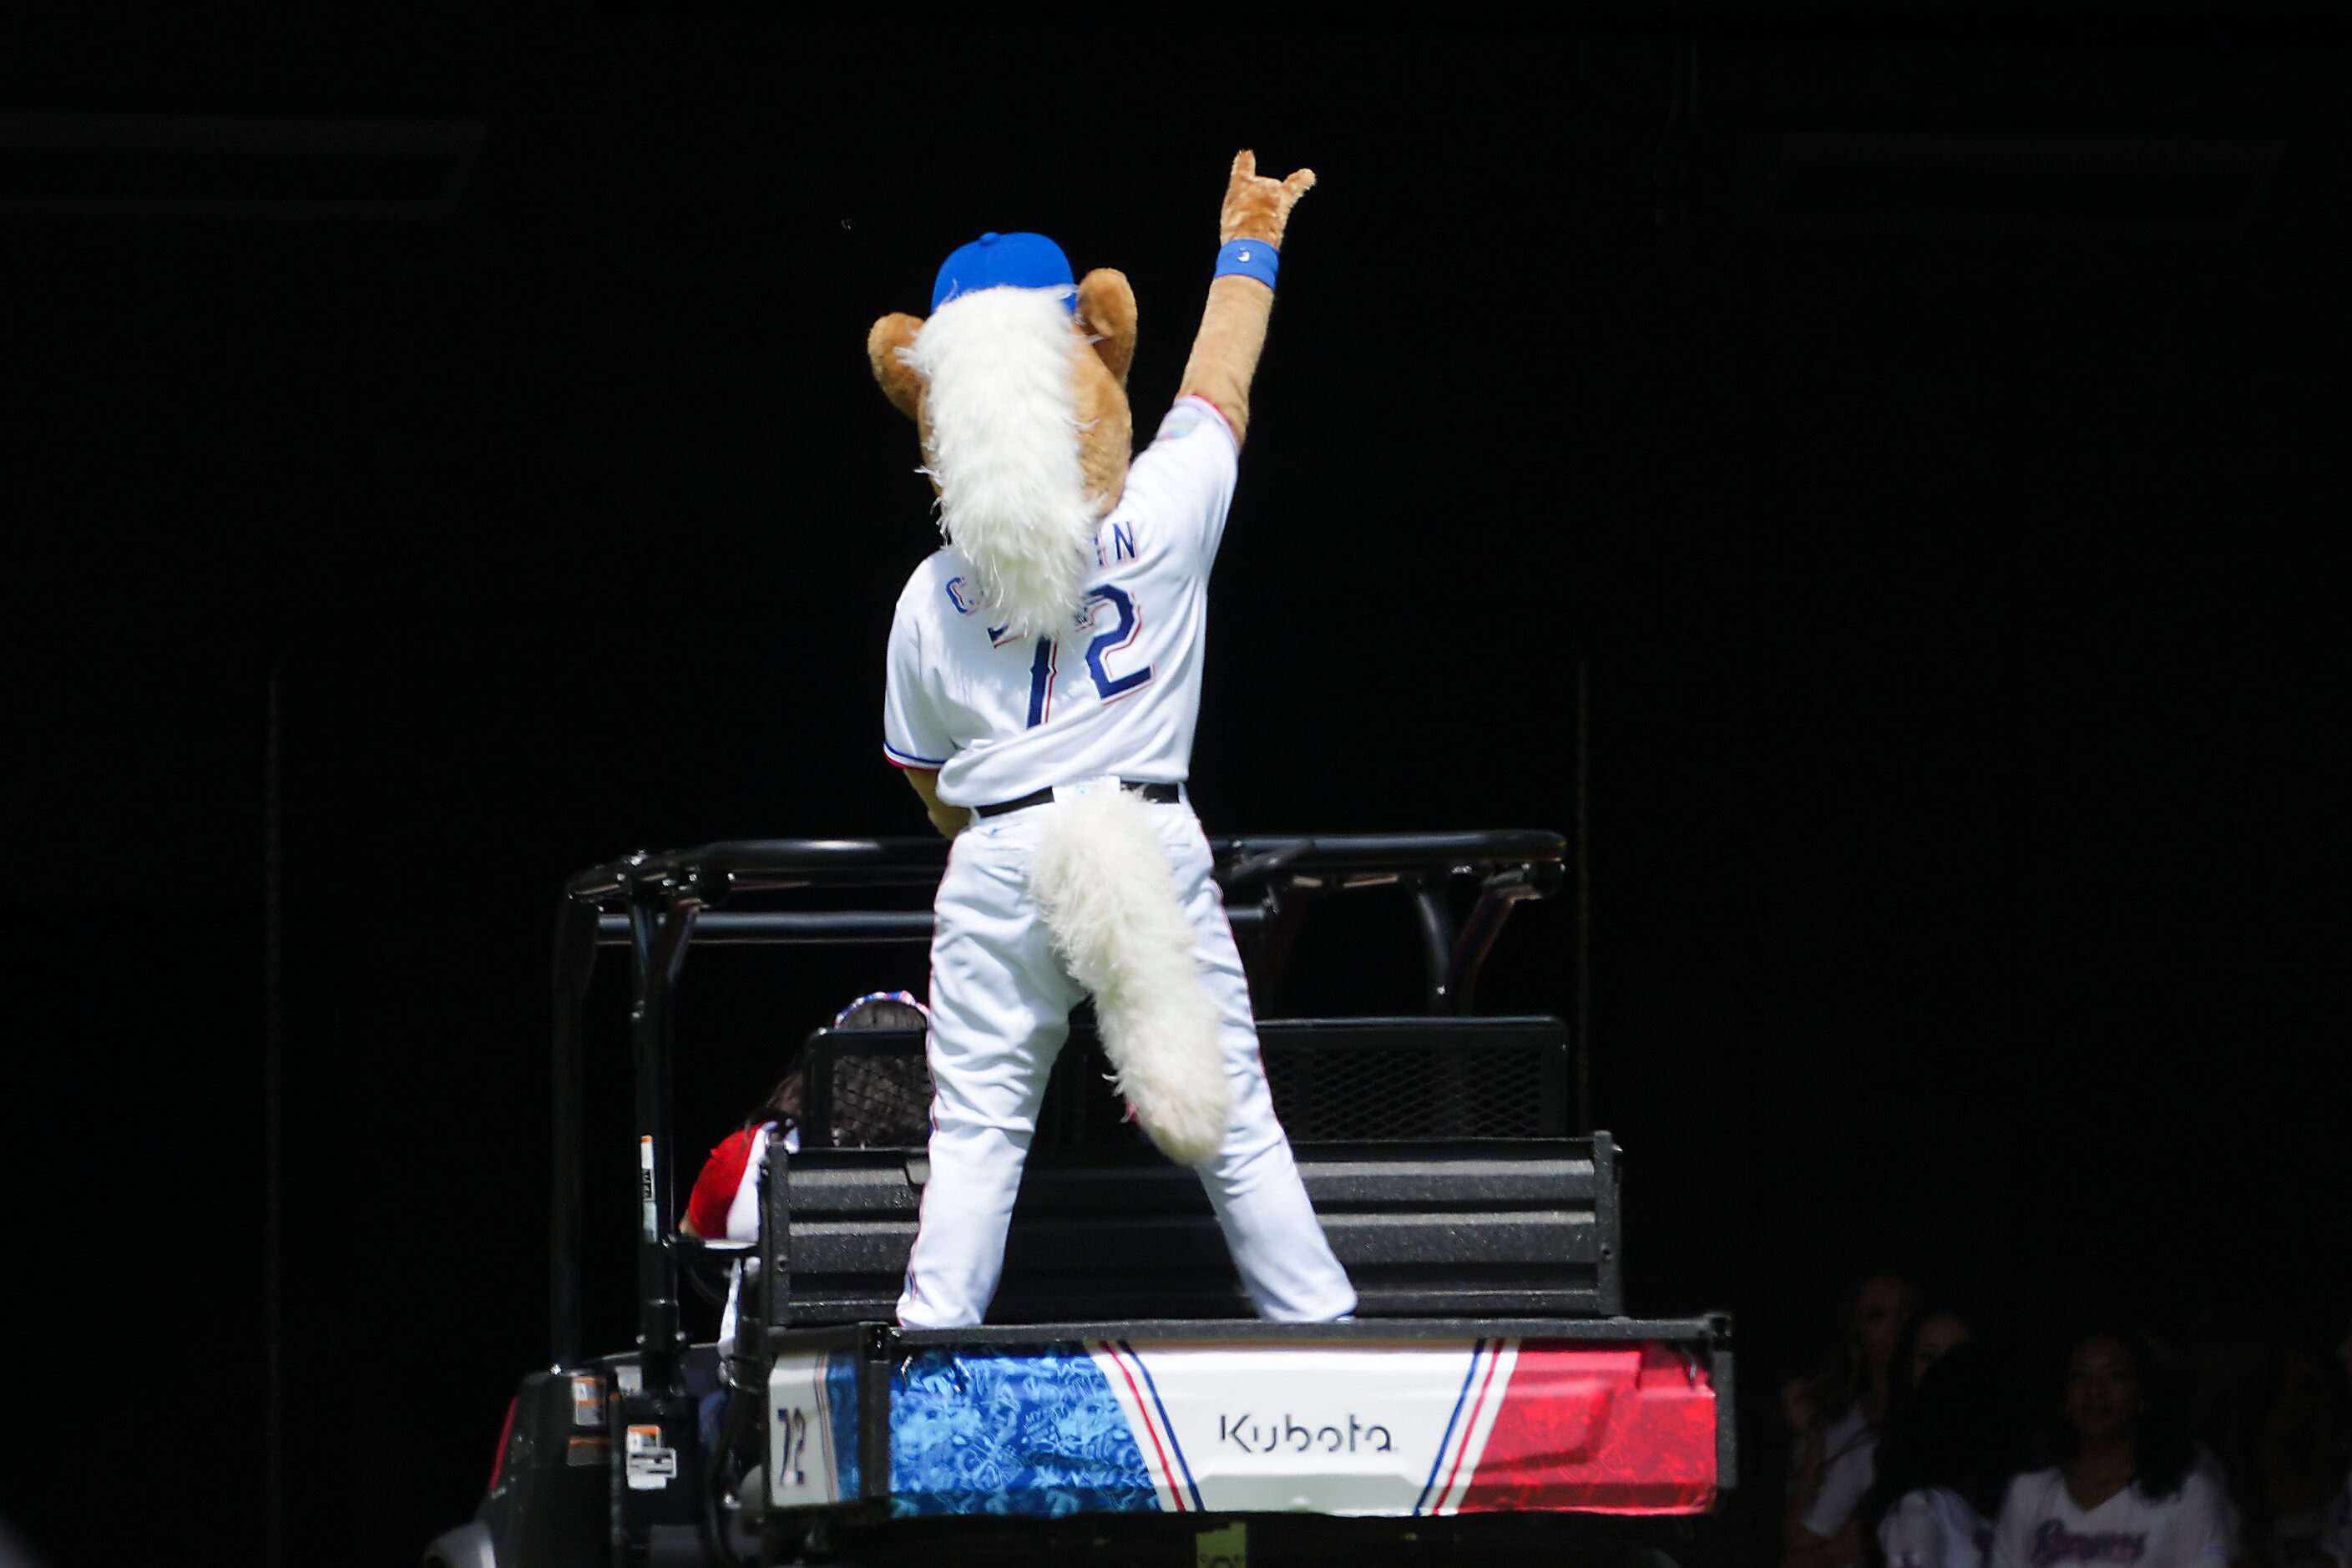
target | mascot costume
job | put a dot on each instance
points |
(1044, 681)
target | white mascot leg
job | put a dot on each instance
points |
(1108, 896)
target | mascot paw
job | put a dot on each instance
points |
(1258, 207)
(1106, 316)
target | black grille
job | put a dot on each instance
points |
(1410, 1092)
(1351, 1080)
(1495, 1226)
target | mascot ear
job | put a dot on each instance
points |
(1107, 315)
(899, 383)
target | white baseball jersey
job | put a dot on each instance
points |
(1934, 1527)
(2042, 1527)
(1849, 1464)
(2299, 1538)
(2336, 1541)
(1119, 691)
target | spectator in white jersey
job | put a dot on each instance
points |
(1835, 1419)
(2290, 1488)
(2336, 1540)
(1943, 1461)
(2127, 1486)
(2270, 1407)
(1928, 1332)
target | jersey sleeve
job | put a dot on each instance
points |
(1188, 472)
(912, 736)
(2013, 1530)
(2209, 1523)
(1844, 1479)
(2337, 1542)
(1911, 1535)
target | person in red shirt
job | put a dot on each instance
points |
(725, 1203)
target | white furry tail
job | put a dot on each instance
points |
(1104, 890)
(1001, 416)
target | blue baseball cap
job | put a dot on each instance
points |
(1002, 260)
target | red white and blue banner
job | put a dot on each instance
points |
(1360, 1427)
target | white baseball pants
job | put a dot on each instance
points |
(1000, 1006)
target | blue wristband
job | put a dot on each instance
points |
(1248, 259)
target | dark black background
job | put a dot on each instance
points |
(1952, 554)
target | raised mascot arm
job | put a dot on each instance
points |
(1241, 297)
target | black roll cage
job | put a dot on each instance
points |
(656, 906)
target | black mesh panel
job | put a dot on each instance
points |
(1410, 1079)
(880, 1101)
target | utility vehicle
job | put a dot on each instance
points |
(1121, 1403)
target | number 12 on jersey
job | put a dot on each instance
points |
(1046, 665)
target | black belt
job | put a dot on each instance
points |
(1157, 794)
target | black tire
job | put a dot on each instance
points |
(467, 1546)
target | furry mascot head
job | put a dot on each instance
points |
(1017, 386)
(1025, 434)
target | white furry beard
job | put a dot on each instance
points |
(1002, 405)
(1105, 892)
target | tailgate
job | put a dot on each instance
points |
(1380, 1419)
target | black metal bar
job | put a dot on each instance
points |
(1722, 1372)
(1611, 1329)
(1436, 943)
(1240, 874)
(657, 1317)
(753, 864)
(776, 1249)
(575, 960)
(1478, 935)
(1403, 851)
(791, 928)
(1580, 912)
(644, 920)
(781, 928)
(765, 862)
(1277, 917)
(1606, 1176)
(273, 1128)
(776, 1219)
